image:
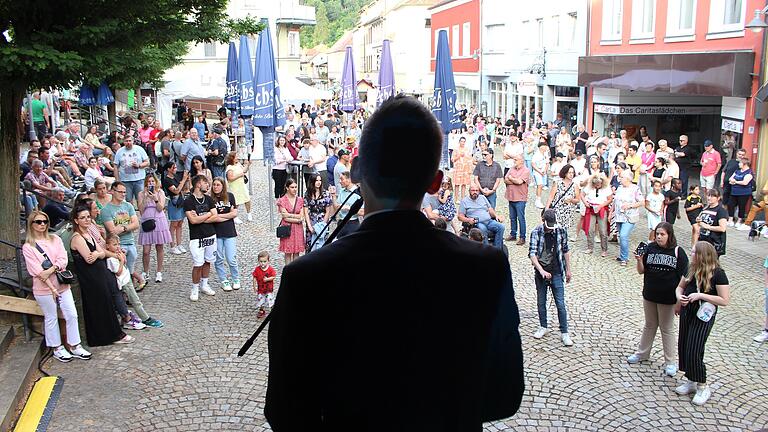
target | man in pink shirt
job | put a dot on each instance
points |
(710, 165)
(517, 179)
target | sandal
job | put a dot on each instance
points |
(127, 339)
(588, 251)
(604, 254)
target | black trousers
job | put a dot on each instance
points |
(741, 202)
(280, 177)
(690, 344)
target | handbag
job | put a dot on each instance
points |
(148, 225)
(706, 311)
(284, 231)
(557, 201)
(65, 277)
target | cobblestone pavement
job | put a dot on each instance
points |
(186, 376)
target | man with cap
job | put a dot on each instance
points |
(216, 152)
(368, 360)
(684, 157)
(341, 166)
(710, 165)
(551, 258)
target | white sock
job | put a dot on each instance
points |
(204, 282)
(196, 285)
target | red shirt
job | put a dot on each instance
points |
(153, 134)
(259, 274)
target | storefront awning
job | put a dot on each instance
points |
(712, 74)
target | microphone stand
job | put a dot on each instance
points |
(356, 206)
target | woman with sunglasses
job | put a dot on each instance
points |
(44, 254)
(97, 283)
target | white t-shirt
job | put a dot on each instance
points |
(539, 162)
(655, 201)
(579, 166)
(318, 153)
(554, 169)
(91, 175)
(453, 141)
(513, 149)
(123, 278)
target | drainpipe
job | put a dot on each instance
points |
(585, 108)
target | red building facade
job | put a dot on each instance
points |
(676, 67)
(461, 20)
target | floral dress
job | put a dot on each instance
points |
(447, 209)
(462, 168)
(295, 242)
(563, 209)
(316, 209)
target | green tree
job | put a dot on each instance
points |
(63, 43)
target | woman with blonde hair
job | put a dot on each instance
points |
(699, 295)
(45, 254)
(155, 229)
(235, 173)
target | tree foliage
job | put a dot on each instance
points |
(334, 17)
(63, 43)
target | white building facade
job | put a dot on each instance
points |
(529, 59)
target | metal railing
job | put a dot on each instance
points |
(17, 286)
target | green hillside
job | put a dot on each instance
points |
(334, 17)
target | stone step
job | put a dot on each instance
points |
(18, 372)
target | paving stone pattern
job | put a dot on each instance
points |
(186, 376)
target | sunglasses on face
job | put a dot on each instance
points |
(40, 221)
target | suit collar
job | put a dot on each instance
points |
(395, 219)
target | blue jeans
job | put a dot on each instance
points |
(625, 229)
(528, 164)
(496, 227)
(517, 216)
(558, 292)
(226, 248)
(492, 199)
(217, 171)
(130, 256)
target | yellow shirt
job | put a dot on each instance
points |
(634, 162)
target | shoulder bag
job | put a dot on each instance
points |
(65, 276)
(559, 198)
(284, 231)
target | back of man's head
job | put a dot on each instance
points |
(401, 122)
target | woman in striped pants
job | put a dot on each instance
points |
(705, 286)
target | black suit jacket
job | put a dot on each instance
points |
(396, 327)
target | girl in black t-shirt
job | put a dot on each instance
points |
(698, 295)
(226, 235)
(711, 223)
(662, 265)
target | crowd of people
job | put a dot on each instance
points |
(137, 185)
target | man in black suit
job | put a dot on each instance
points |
(379, 331)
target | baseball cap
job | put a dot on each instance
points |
(559, 155)
(550, 219)
(578, 152)
(343, 152)
(707, 143)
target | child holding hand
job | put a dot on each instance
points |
(263, 283)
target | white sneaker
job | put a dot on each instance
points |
(182, 249)
(207, 290)
(762, 337)
(729, 223)
(144, 276)
(743, 227)
(61, 354)
(686, 388)
(236, 284)
(238, 220)
(539, 204)
(566, 339)
(249, 217)
(81, 353)
(703, 393)
(194, 294)
(176, 250)
(670, 370)
(225, 286)
(540, 332)
(634, 359)
(545, 187)
(159, 277)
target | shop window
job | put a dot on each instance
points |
(727, 16)
(612, 16)
(643, 17)
(564, 91)
(681, 17)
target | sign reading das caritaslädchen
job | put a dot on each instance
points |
(656, 109)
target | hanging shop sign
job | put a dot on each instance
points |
(656, 110)
(733, 125)
(527, 85)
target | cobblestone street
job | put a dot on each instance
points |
(186, 376)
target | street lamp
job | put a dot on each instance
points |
(476, 54)
(758, 23)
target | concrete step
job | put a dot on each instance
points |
(7, 334)
(18, 372)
